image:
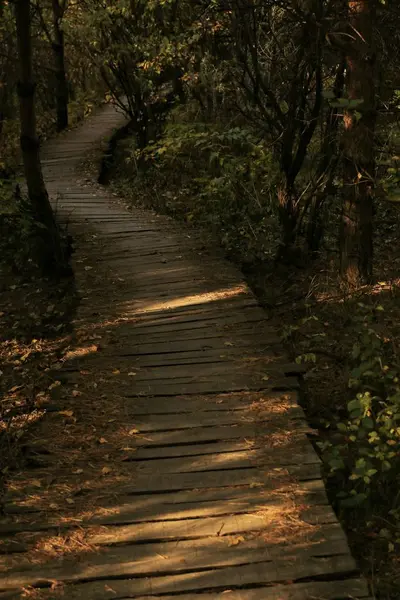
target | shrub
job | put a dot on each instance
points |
(365, 459)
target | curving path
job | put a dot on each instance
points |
(224, 496)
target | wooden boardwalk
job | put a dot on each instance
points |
(224, 497)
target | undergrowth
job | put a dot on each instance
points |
(223, 179)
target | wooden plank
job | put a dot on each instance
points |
(273, 478)
(285, 403)
(176, 358)
(208, 434)
(182, 314)
(236, 309)
(199, 379)
(236, 298)
(175, 557)
(216, 321)
(163, 422)
(122, 526)
(147, 305)
(174, 292)
(146, 508)
(256, 476)
(263, 573)
(267, 521)
(129, 513)
(195, 344)
(108, 308)
(179, 451)
(228, 460)
(299, 449)
(146, 277)
(186, 504)
(236, 368)
(217, 385)
(347, 589)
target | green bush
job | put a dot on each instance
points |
(365, 457)
(224, 179)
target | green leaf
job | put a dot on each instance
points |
(354, 501)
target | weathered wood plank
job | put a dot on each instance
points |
(124, 526)
(181, 358)
(165, 422)
(208, 434)
(256, 476)
(349, 589)
(191, 503)
(212, 386)
(240, 367)
(138, 511)
(216, 579)
(175, 557)
(282, 403)
(198, 344)
(229, 460)
(267, 520)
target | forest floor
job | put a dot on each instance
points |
(320, 323)
(35, 327)
(36, 315)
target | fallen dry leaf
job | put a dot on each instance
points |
(66, 413)
(236, 540)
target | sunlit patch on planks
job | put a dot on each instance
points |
(225, 497)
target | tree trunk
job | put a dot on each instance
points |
(356, 239)
(315, 225)
(7, 70)
(2, 92)
(288, 216)
(51, 255)
(58, 48)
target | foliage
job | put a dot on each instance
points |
(229, 187)
(366, 458)
(86, 87)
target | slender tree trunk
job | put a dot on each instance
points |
(51, 252)
(356, 240)
(315, 224)
(288, 216)
(58, 47)
(327, 166)
(3, 84)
